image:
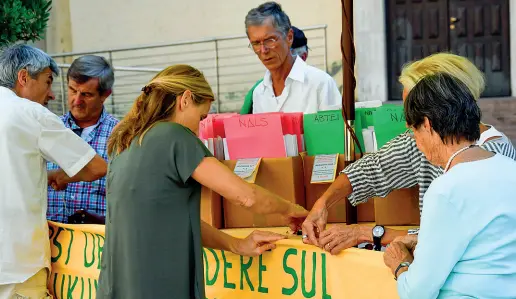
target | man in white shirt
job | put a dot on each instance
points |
(30, 135)
(289, 84)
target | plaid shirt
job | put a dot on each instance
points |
(90, 196)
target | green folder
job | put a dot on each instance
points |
(389, 122)
(364, 118)
(324, 133)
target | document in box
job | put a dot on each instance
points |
(247, 169)
(325, 168)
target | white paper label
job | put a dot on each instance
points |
(245, 167)
(324, 168)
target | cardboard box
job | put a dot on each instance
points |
(400, 207)
(211, 208)
(282, 176)
(343, 211)
(365, 211)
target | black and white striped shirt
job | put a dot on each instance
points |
(399, 164)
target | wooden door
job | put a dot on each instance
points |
(417, 28)
(479, 30)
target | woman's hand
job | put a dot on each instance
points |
(257, 243)
(410, 242)
(395, 254)
(339, 237)
(315, 223)
(296, 215)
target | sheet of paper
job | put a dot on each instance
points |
(247, 169)
(255, 135)
(325, 169)
(324, 133)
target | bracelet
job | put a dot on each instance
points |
(401, 265)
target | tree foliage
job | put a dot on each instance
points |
(23, 20)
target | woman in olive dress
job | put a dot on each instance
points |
(154, 234)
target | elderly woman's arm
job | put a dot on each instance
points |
(214, 175)
(439, 248)
(395, 166)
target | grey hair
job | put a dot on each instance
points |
(448, 104)
(299, 51)
(91, 66)
(19, 57)
(269, 11)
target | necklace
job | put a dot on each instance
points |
(456, 154)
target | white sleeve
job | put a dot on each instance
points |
(329, 95)
(439, 248)
(62, 146)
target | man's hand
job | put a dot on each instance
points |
(296, 215)
(257, 243)
(395, 254)
(57, 179)
(315, 223)
(339, 237)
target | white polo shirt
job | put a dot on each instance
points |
(29, 135)
(307, 89)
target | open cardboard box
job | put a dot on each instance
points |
(282, 176)
(343, 211)
(211, 208)
(400, 207)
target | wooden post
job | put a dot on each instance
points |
(348, 75)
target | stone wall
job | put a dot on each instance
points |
(501, 113)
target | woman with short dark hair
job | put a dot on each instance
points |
(467, 242)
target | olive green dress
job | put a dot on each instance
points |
(153, 237)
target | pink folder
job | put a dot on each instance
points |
(255, 136)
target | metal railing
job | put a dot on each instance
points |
(227, 63)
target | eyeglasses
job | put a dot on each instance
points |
(269, 43)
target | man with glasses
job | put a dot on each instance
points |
(289, 84)
(299, 48)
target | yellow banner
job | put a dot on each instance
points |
(293, 270)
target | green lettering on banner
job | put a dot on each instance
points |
(291, 271)
(82, 287)
(57, 245)
(69, 246)
(323, 270)
(71, 287)
(311, 293)
(86, 263)
(55, 282)
(261, 268)
(212, 281)
(244, 267)
(89, 287)
(227, 285)
(101, 248)
(96, 284)
(62, 286)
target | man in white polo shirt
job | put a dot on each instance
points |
(30, 135)
(289, 85)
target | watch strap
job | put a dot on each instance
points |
(401, 265)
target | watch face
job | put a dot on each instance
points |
(378, 231)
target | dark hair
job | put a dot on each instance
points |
(91, 66)
(449, 106)
(269, 10)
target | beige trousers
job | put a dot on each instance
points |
(33, 288)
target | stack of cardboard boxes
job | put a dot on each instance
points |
(290, 178)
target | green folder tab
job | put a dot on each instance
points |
(324, 133)
(363, 119)
(389, 122)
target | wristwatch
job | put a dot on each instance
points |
(401, 265)
(378, 232)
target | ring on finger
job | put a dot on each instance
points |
(328, 246)
(304, 236)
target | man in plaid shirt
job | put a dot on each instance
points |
(90, 81)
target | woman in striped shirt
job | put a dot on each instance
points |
(397, 165)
